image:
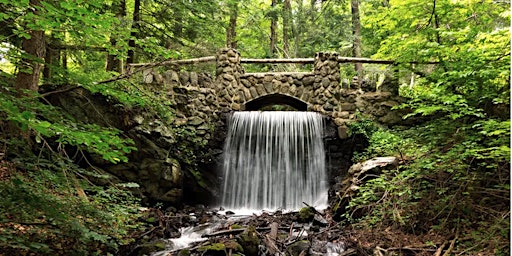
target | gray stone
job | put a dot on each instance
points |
(195, 121)
(260, 89)
(184, 77)
(347, 107)
(194, 80)
(308, 81)
(299, 248)
(228, 77)
(342, 132)
(268, 86)
(254, 93)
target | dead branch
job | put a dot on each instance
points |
(440, 249)
(452, 245)
(348, 252)
(225, 232)
(60, 91)
(271, 238)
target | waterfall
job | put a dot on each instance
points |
(274, 160)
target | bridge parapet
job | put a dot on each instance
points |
(232, 89)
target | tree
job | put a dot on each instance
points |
(273, 28)
(458, 151)
(134, 32)
(33, 47)
(287, 10)
(231, 31)
(113, 60)
(356, 33)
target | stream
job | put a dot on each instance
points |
(244, 232)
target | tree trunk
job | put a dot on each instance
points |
(356, 32)
(297, 31)
(133, 34)
(34, 48)
(231, 33)
(286, 25)
(51, 60)
(273, 31)
(113, 63)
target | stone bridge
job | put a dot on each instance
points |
(200, 98)
(202, 102)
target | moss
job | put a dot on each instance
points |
(236, 226)
(216, 247)
(306, 214)
(184, 252)
(233, 245)
(249, 240)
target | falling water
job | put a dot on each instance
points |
(274, 160)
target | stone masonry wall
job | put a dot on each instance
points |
(203, 102)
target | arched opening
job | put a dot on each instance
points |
(275, 99)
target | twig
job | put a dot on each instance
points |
(348, 252)
(312, 208)
(452, 245)
(440, 249)
(60, 91)
(378, 250)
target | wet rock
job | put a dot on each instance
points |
(150, 247)
(319, 220)
(299, 248)
(216, 249)
(306, 214)
(249, 241)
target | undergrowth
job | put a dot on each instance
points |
(453, 180)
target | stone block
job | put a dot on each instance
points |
(308, 81)
(247, 94)
(195, 121)
(293, 90)
(328, 107)
(235, 106)
(194, 79)
(260, 89)
(285, 88)
(254, 92)
(347, 107)
(228, 77)
(184, 77)
(245, 82)
(269, 86)
(342, 132)
(306, 96)
(158, 78)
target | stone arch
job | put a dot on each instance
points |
(275, 98)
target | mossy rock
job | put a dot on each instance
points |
(306, 214)
(184, 252)
(236, 226)
(150, 247)
(234, 246)
(216, 249)
(249, 241)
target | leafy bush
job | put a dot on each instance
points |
(46, 210)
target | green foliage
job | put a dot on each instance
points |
(455, 173)
(41, 212)
(47, 122)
